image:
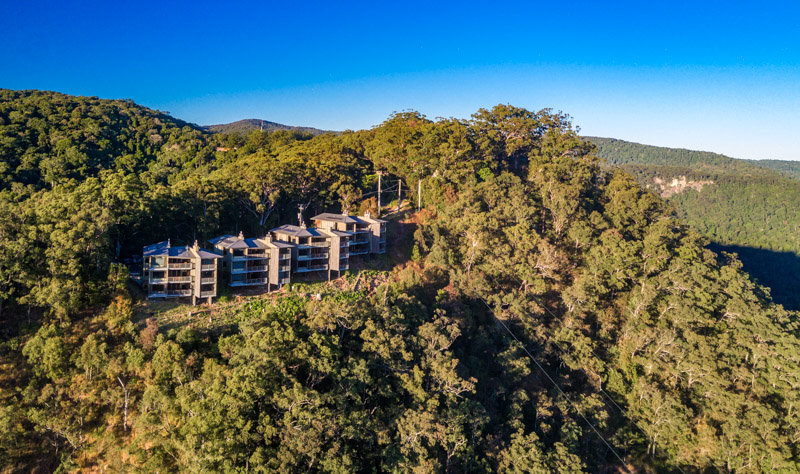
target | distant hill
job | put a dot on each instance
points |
(248, 125)
(789, 168)
(743, 206)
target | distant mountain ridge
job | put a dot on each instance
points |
(248, 125)
(745, 206)
(620, 152)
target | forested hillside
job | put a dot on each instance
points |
(250, 125)
(749, 207)
(553, 315)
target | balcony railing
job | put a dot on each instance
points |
(253, 281)
(208, 280)
(209, 267)
(316, 256)
(204, 294)
(180, 266)
(239, 258)
(248, 269)
(180, 279)
(179, 292)
(312, 268)
(154, 280)
(314, 244)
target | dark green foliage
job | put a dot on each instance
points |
(548, 297)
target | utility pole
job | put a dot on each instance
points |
(419, 194)
(399, 194)
(380, 174)
(300, 222)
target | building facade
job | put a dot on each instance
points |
(253, 262)
(176, 272)
(367, 235)
(311, 248)
(268, 262)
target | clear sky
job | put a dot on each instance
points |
(716, 76)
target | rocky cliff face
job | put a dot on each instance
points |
(677, 185)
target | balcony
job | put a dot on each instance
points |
(249, 282)
(205, 294)
(155, 281)
(315, 256)
(285, 268)
(312, 268)
(238, 270)
(180, 266)
(180, 279)
(209, 267)
(179, 293)
(240, 258)
(314, 244)
(208, 280)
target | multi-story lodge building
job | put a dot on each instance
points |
(254, 262)
(311, 248)
(174, 272)
(266, 262)
(368, 235)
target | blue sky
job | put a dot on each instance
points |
(717, 76)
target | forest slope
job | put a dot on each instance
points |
(554, 316)
(750, 207)
(248, 125)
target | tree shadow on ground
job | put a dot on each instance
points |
(778, 271)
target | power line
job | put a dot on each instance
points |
(619, 408)
(574, 407)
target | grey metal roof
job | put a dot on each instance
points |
(223, 239)
(327, 216)
(367, 220)
(297, 231)
(339, 233)
(206, 254)
(372, 219)
(164, 249)
(234, 242)
(282, 245)
(255, 243)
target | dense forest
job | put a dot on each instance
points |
(248, 125)
(752, 208)
(551, 316)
